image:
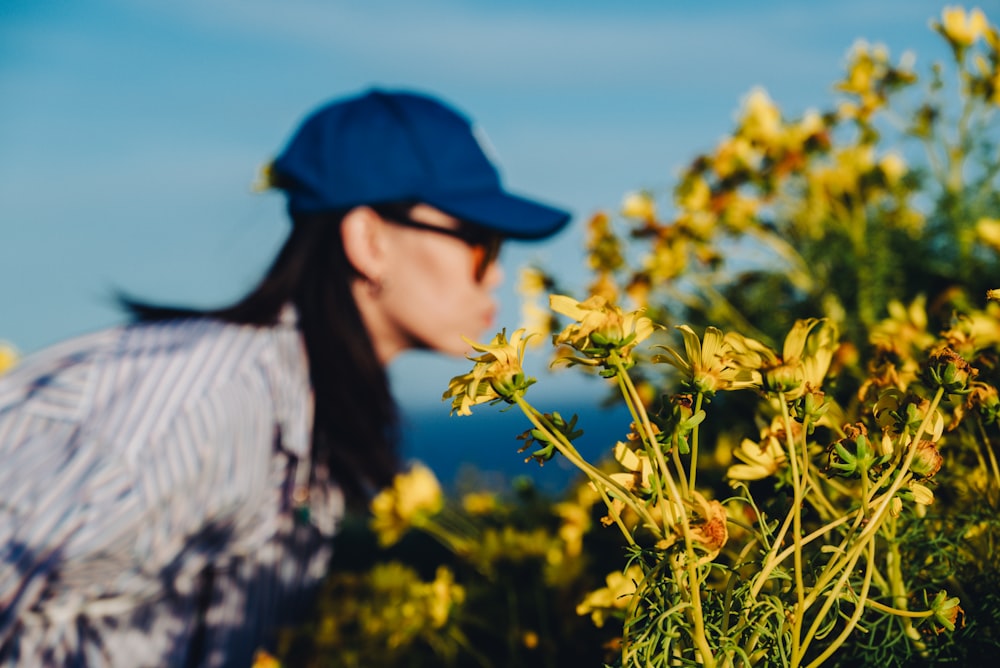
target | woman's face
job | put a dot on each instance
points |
(430, 294)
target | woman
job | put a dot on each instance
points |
(169, 487)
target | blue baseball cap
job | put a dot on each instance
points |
(390, 146)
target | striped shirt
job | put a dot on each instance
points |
(155, 505)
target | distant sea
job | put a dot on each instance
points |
(480, 451)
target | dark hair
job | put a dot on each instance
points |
(355, 425)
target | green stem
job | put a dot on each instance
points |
(852, 622)
(894, 568)
(987, 446)
(693, 470)
(771, 564)
(903, 474)
(693, 583)
(653, 450)
(601, 481)
(797, 495)
(847, 557)
(912, 614)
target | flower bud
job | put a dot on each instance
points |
(927, 460)
(947, 611)
(985, 399)
(783, 378)
(854, 454)
(885, 446)
(948, 370)
(811, 407)
(921, 494)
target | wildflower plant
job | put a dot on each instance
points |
(520, 559)
(805, 332)
(825, 432)
(728, 576)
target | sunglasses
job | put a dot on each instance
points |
(485, 245)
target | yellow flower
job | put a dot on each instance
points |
(694, 194)
(893, 168)
(635, 479)
(861, 70)
(845, 174)
(707, 521)
(805, 358)
(798, 137)
(973, 332)
(638, 467)
(8, 356)
(265, 179)
(920, 493)
(537, 322)
(960, 28)
(766, 456)
(707, 364)
(734, 155)
(442, 595)
(639, 205)
(533, 282)
(710, 528)
(599, 327)
(867, 68)
(760, 460)
(261, 659)
(761, 120)
(988, 231)
(616, 595)
(604, 248)
(496, 376)
(575, 523)
(479, 503)
(740, 211)
(604, 286)
(818, 354)
(904, 333)
(414, 496)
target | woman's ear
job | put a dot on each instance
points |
(362, 232)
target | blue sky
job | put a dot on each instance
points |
(131, 130)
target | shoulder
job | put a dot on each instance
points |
(213, 373)
(146, 373)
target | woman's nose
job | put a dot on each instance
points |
(494, 275)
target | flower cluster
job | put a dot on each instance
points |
(600, 331)
(497, 375)
(711, 364)
(413, 498)
(380, 615)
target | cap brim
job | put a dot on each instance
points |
(511, 215)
